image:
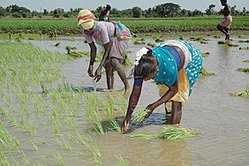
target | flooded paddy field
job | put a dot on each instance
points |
(50, 139)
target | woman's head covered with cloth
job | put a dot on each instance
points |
(85, 19)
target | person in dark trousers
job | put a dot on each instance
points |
(225, 24)
(176, 65)
(105, 14)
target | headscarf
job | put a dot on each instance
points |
(86, 19)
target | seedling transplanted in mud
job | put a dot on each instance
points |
(203, 72)
(245, 70)
(24, 68)
(168, 133)
(246, 61)
(244, 93)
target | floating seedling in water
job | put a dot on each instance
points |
(246, 70)
(243, 41)
(168, 133)
(222, 42)
(151, 44)
(175, 133)
(158, 40)
(137, 42)
(205, 73)
(232, 45)
(205, 54)
(57, 44)
(127, 61)
(243, 48)
(244, 93)
(246, 61)
(122, 162)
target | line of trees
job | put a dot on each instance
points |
(159, 11)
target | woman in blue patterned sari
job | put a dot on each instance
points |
(176, 65)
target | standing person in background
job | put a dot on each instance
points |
(176, 64)
(224, 25)
(106, 34)
(105, 14)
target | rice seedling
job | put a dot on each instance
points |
(245, 70)
(139, 116)
(203, 72)
(122, 161)
(151, 44)
(243, 41)
(205, 54)
(232, 44)
(243, 48)
(168, 133)
(222, 42)
(246, 61)
(175, 133)
(60, 159)
(140, 136)
(127, 61)
(244, 93)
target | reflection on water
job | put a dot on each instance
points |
(221, 118)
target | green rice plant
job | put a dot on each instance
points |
(232, 44)
(34, 146)
(245, 70)
(59, 159)
(138, 42)
(144, 137)
(246, 61)
(127, 61)
(168, 133)
(139, 116)
(7, 141)
(122, 161)
(115, 126)
(121, 105)
(151, 44)
(243, 48)
(222, 42)
(175, 133)
(244, 93)
(243, 41)
(108, 107)
(203, 72)
(57, 44)
(158, 40)
(205, 54)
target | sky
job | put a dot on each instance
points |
(50, 5)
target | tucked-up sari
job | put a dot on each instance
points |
(169, 73)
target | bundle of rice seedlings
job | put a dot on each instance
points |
(139, 116)
(174, 133)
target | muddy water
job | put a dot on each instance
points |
(221, 118)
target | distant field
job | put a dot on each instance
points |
(136, 25)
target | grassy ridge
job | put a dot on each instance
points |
(136, 25)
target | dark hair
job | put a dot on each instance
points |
(108, 7)
(146, 65)
(223, 1)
